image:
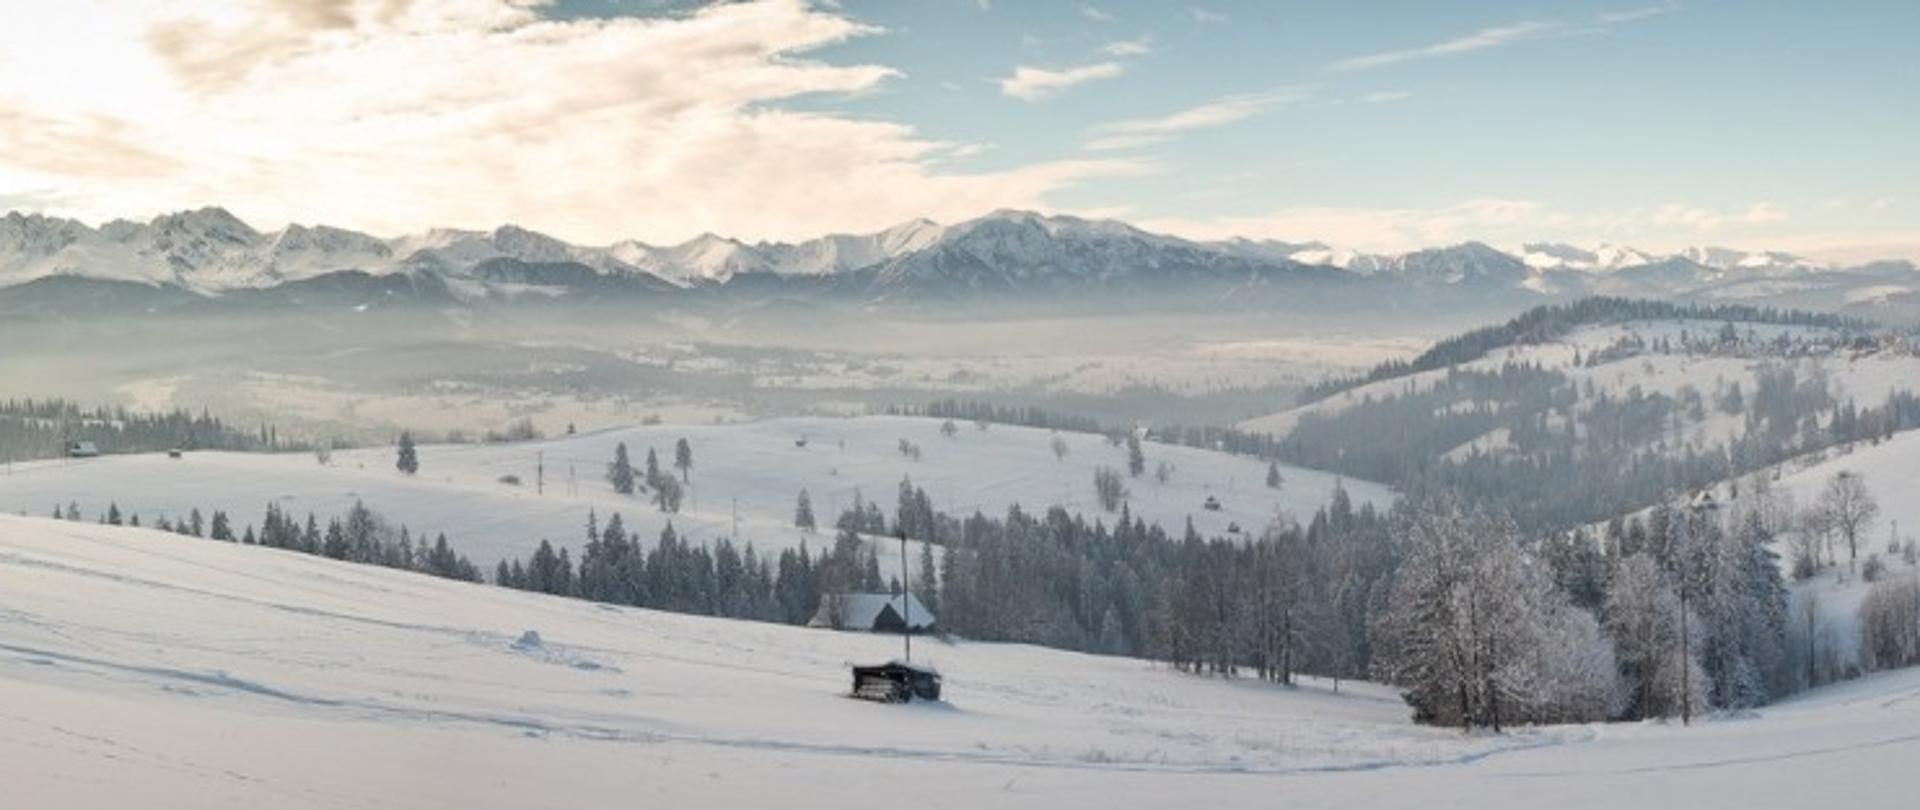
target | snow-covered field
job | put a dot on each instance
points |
(143, 669)
(755, 467)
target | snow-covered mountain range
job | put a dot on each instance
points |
(211, 252)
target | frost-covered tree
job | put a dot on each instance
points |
(1478, 634)
(1136, 460)
(1849, 509)
(683, 460)
(1274, 481)
(1890, 625)
(1644, 621)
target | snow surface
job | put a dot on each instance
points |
(756, 467)
(151, 670)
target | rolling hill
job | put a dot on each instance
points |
(757, 468)
(144, 668)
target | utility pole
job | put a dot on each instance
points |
(1686, 660)
(736, 520)
(906, 599)
(540, 472)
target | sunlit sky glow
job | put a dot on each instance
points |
(1376, 125)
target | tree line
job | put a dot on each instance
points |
(44, 428)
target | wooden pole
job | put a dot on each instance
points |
(906, 599)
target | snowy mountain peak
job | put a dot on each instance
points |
(211, 250)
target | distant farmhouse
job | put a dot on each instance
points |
(82, 450)
(875, 613)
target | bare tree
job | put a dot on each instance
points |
(1850, 509)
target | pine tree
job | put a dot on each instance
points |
(1274, 480)
(683, 459)
(667, 494)
(620, 472)
(927, 584)
(409, 456)
(803, 512)
(1136, 460)
(870, 581)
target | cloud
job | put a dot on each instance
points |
(1634, 14)
(1511, 221)
(1210, 17)
(1129, 47)
(1220, 112)
(1093, 13)
(1377, 229)
(1033, 84)
(391, 116)
(1478, 40)
(1707, 219)
(1385, 97)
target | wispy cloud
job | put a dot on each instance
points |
(1092, 12)
(1386, 229)
(1479, 40)
(1033, 84)
(1632, 14)
(1129, 47)
(1384, 97)
(1707, 219)
(1219, 112)
(1208, 16)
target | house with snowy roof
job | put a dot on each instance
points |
(874, 613)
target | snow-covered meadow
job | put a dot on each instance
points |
(756, 468)
(143, 668)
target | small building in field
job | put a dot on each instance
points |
(82, 449)
(874, 613)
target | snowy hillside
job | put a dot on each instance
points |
(149, 669)
(1866, 377)
(758, 468)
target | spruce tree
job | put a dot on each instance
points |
(620, 472)
(683, 460)
(803, 512)
(409, 458)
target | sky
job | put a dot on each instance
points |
(1382, 125)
